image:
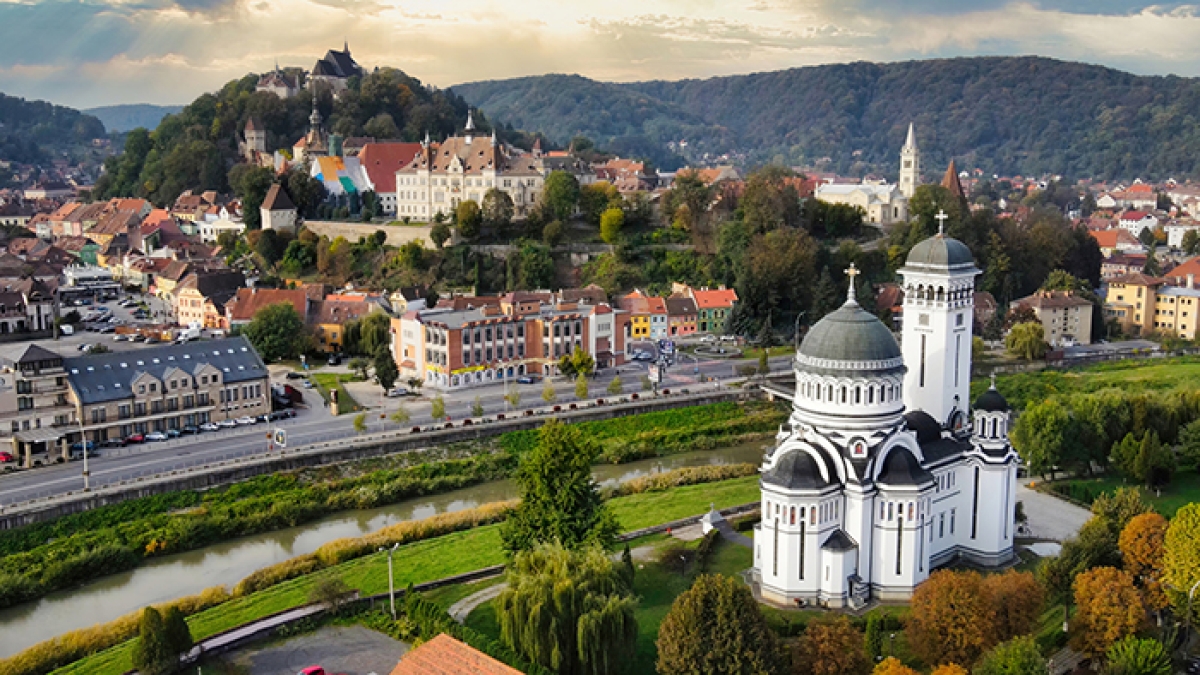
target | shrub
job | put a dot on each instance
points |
(16, 588)
(89, 565)
(277, 573)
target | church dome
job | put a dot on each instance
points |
(850, 335)
(940, 253)
(796, 470)
(923, 424)
(991, 401)
(901, 468)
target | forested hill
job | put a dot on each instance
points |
(30, 130)
(133, 115)
(1006, 115)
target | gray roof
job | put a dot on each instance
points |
(107, 377)
(923, 424)
(30, 353)
(850, 338)
(796, 470)
(902, 469)
(940, 252)
(839, 541)
(991, 401)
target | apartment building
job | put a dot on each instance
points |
(1131, 300)
(36, 414)
(167, 387)
(454, 348)
(1065, 317)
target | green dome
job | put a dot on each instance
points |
(940, 252)
(850, 334)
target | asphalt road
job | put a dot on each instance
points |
(315, 424)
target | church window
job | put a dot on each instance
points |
(941, 525)
(899, 545)
(922, 380)
(891, 512)
(931, 533)
(858, 394)
(881, 510)
(959, 319)
(793, 515)
(870, 394)
(952, 514)
(843, 394)
(775, 551)
(910, 513)
(957, 359)
(975, 506)
(812, 516)
(993, 433)
(829, 393)
(802, 546)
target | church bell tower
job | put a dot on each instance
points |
(910, 164)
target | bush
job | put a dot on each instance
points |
(16, 588)
(89, 565)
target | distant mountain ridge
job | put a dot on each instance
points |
(122, 118)
(32, 132)
(1006, 115)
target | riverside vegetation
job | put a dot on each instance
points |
(44, 557)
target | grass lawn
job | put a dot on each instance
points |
(445, 556)
(756, 352)
(1131, 375)
(1183, 489)
(326, 382)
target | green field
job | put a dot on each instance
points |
(1130, 375)
(428, 560)
(1183, 489)
(327, 382)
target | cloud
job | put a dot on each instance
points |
(93, 52)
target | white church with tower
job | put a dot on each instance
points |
(884, 471)
(882, 204)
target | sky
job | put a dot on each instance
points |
(86, 53)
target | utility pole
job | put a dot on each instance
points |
(87, 486)
(391, 579)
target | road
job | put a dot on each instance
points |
(315, 424)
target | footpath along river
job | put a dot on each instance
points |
(225, 564)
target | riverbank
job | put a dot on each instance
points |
(423, 561)
(44, 557)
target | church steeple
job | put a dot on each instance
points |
(910, 164)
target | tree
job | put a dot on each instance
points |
(385, 369)
(477, 407)
(560, 194)
(1191, 242)
(382, 126)
(1181, 565)
(497, 209)
(1189, 445)
(1136, 656)
(716, 627)
(1020, 656)
(270, 246)
(831, 647)
(548, 393)
(949, 669)
(400, 416)
(1040, 435)
(581, 386)
(552, 233)
(439, 234)
(578, 362)
(614, 387)
(1141, 545)
(892, 666)
(611, 222)
(874, 637)
(1027, 340)
(331, 592)
(468, 218)
(176, 632)
(952, 618)
(1109, 608)
(152, 653)
(825, 297)
(437, 407)
(277, 332)
(594, 199)
(250, 184)
(359, 366)
(360, 423)
(569, 611)
(1155, 462)
(513, 397)
(1016, 600)
(770, 200)
(764, 366)
(559, 499)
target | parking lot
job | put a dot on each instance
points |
(351, 650)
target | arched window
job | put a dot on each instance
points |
(843, 388)
(858, 394)
(829, 393)
(793, 515)
(870, 394)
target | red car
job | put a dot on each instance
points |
(7, 457)
(136, 438)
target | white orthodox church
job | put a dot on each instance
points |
(879, 476)
(882, 204)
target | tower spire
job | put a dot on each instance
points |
(851, 296)
(911, 142)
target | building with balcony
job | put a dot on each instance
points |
(36, 413)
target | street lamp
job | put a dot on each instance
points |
(391, 579)
(83, 444)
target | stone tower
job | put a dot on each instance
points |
(910, 164)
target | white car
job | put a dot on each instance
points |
(156, 436)
(246, 420)
(709, 338)
(209, 426)
(228, 424)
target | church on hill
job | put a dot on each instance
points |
(884, 471)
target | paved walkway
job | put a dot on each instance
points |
(460, 610)
(1050, 517)
(349, 650)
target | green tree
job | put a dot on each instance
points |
(552, 233)
(360, 423)
(578, 362)
(581, 387)
(1137, 656)
(176, 632)
(826, 297)
(439, 234)
(1191, 242)
(1189, 445)
(152, 653)
(716, 627)
(560, 194)
(497, 209)
(1019, 656)
(477, 407)
(437, 407)
(548, 393)
(385, 369)
(400, 416)
(1027, 340)
(270, 246)
(874, 637)
(559, 499)
(277, 332)
(251, 184)
(594, 199)
(359, 366)
(1155, 462)
(614, 387)
(570, 611)
(611, 222)
(382, 126)
(770, 200)
(1181, 565)
(513, 397)
(1040, 435)
(331, 592)
(764, 366)
(468, 218)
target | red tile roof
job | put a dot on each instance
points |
(443, 655)
(249, 301)
(383, 160)
(1111, 238)
(1134, 215)
(1179, 274)
(709, 299)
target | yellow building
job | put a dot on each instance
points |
(330, 318)
(1143, 305)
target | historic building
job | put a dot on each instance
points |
(881, 203)
(910, 164)
(879, 477)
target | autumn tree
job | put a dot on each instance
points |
(1016, 600)
(1141, 545)
(559, 498)
(611, 222)
(439, 234)
(892, 666)
(949, 669)
(831, 647)
(1135, 656)
(952, 619)
(1015, 657)
(468, 218)
(1181, 565)
(1109, 608)
(716, 627)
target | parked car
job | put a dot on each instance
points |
(76, 446)
(135, 438)
(525, 379)
(189, 430)
(6, 457)
(209, 426)
(227, 424)
(312, 670)
(113, 443)
(293, 375)
(308, 384)
(709, 338)
(245, 420)
(333, 360)
(397, 392)
(173, 433)
(156, 436)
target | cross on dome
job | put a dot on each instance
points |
(852, 272)
(941, 218)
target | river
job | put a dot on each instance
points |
(175, 576)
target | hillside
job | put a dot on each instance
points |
(1006, 115)
(124, 118)
(31, 130)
